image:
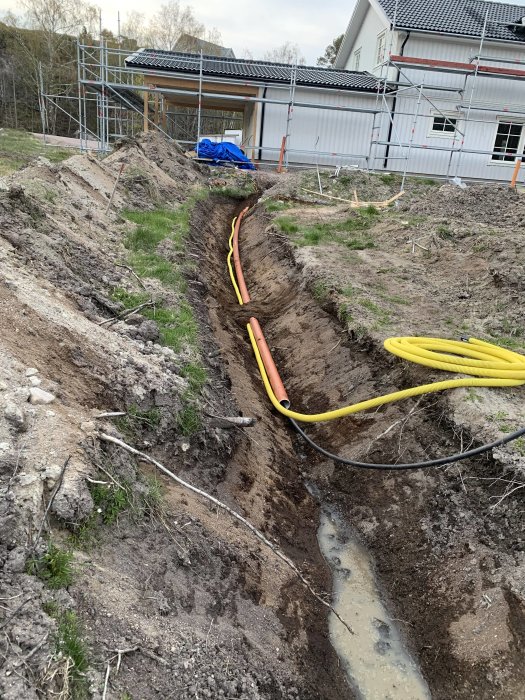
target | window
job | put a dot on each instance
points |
(381, 48)
(357, 59)
(443, 125)
(508, 142)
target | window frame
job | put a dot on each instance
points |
(357, 59)
(381, 37)
(520, 151)
(456, 116)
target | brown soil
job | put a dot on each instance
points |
(202, 609)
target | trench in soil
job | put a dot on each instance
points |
(267, 475)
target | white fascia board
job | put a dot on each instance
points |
(352, 30)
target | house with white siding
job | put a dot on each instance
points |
(420, 86)
(455, 68)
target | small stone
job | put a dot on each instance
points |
(40, 397)
(50, 414)
(31, 371)
(185, 446)
(87, 426)
(3, 386)
(4, 446)
(16, 416)
(35, 381)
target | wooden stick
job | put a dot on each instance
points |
(115, 187)
(231, 421)
(355, 204)
(234, 514)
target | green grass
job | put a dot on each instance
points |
(135, 420)
(188, 419)
(382, 315)
(390, 179)
(519, 446)
(54, 567)
(128, 299)
(320, 291)
(286, 224)
(236, 192)
(445, 233)
(196, 376)
(19, 148)
(272, 205)
(353, 232)
(70, 646)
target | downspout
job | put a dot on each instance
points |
(261, 131)
(394, 103)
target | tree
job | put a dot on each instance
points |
(287, 53)
(331, 51)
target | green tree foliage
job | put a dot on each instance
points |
(330, 53)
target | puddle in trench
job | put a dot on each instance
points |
(378, 666)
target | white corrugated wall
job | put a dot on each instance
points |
(343, 137)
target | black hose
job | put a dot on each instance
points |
(413, 465)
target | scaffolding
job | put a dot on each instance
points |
(115, 100)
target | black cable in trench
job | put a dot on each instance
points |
(412, 465)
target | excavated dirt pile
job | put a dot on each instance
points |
(118, 583)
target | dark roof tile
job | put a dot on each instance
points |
(463, 17)
(258, 71)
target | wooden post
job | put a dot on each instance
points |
(146, 110)
(156, 107)
(517, 167)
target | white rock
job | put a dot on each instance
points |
(35, 381)
(87, 426)
(185, 446)
(39, 396)
(3, 386)
(31, 371)
(50, 414)
(4, 446)
(26, 479)
(15, 415)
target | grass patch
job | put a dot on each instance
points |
(113, 499)
(19, 148)
(382, 315)
(320, 291)
(70, 646)
(344, 314)
(390, 179)
(196, 376)
(352, 232)
(236, 192)
(445, 233)
(519, 446)
(286, 224)
(188, 418)
(273, 205)
(54, 567)
(135, 419)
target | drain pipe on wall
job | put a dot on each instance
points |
(394, 103)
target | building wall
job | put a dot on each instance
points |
(366, 40)
(493, 99)
(342, 137)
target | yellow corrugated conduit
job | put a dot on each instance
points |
(484, 363)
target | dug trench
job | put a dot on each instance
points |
(447, 565)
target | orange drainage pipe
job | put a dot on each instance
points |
(516, 172)
(245, 295)
(281, 155)
(269, 365)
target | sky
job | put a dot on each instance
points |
(257, 25)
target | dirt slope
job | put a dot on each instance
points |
(173, 599)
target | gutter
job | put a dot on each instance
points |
(394, 103)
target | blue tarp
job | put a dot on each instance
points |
(221, 152)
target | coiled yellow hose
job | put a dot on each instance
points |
(494, 365)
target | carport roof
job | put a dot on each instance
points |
(257, 71)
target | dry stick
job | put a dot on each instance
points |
(15, 612)
(234, 514)
(126, 313)
(106, 681)
(111, 414)
(114, 188)
(131, 271)
(53, 494)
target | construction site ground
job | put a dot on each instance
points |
(119, 583)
